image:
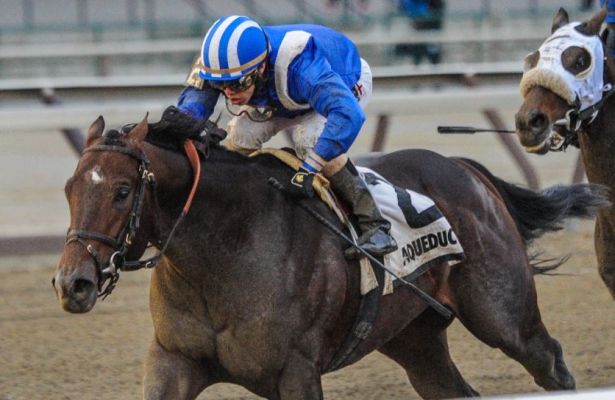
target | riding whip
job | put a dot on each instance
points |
(445, 312)
(468, 130)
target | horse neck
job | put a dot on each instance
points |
(597, 143)
(231, 199)
(173, 177)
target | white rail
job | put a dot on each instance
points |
(505, 70)
(47, 118)
(123, 98)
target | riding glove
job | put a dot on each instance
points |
(179, 125)
(301, 184)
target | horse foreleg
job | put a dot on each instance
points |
(172, 376)
(300, 379)
(422, 350)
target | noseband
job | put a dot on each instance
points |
(109, 271)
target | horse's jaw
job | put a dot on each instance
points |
(541, 148)
(77, 306)
(539, 143)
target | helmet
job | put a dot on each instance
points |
(233, 47)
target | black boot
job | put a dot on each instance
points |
(375, 237)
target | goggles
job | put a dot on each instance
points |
(236, 85)
(255, 114)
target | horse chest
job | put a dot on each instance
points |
(248, 358)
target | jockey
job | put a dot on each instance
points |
(308, 80)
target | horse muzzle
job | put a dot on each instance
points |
(76, 288)
(535, 131)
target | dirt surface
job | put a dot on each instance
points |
(49, 354)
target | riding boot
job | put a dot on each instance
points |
(375, 230)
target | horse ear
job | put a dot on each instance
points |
(560, 19)
(95, 130)
(531, 60)
(139, 132)
(595, 23)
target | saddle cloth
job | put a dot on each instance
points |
(424, 236)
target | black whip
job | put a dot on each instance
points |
(468, 130)
(445, 312)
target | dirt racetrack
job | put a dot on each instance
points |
(46, 353)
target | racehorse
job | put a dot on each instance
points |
(549, 117)
(253, 290)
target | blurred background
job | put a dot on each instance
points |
(64, 62)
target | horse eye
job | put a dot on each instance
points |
(580, 64)
(576, 60)
(121, 193)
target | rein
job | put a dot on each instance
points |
(109, 272)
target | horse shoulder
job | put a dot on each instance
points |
(179, 312)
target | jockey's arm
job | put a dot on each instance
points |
(313, 81)
(198, 103)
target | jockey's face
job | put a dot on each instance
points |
(239, 95)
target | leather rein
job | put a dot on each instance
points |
(109, 271)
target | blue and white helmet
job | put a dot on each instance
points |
(233, 47)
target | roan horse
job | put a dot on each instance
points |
(255, 291)
(542, 118)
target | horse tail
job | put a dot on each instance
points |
(538, 212)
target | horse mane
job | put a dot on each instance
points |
(113, 137)
(210, 149)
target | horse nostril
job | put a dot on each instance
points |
(538, 122)
(82, 287)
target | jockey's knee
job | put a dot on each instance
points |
(306, 132)
(335, 165)
(241, 137)
(234, 146)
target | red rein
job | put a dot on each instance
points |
(193, 156)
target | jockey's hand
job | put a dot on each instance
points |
(178, 125)
(301, 184)
(214, 134)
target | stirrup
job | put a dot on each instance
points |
(376, 242)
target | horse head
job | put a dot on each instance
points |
(106, 196)
(564, 84)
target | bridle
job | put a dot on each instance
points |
(575, 119)
(109, 271)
